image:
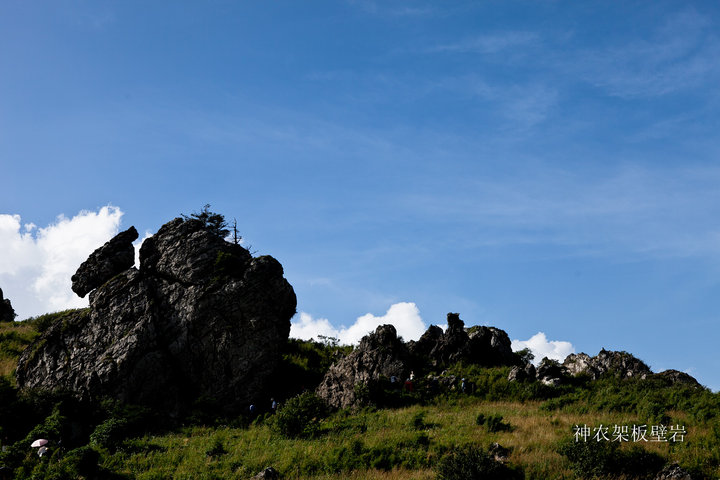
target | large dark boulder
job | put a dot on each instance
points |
(116, 256)
(200, 320)
(7, 313)
(380, 355)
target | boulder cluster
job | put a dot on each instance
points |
(382, 356)
(199, 319)
(606, 363)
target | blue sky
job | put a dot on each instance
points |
(537, 166)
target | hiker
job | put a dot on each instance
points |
(409, 385)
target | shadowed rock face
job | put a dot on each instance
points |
(379, 354)
(201, 318)
(104, 263)
(488, 346)
(382, 355)
(7, 313)
(677, 377)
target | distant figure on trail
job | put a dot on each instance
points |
(409, 385)
(273, 405)
(252, 409)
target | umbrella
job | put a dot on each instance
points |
(39, 442)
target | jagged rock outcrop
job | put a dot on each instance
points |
(7, 313)
(488, 346)
(674, 377)
(114, 257)
(673, 472)
(379, 354)
(200, 319)
(619, 364)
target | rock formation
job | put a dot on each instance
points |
(619, 364)
(676, 377)
(200, 319)
(7, 314)
(673, 472)
(487, 346)
(114, 257)
(551, 372)
(522, 373)
(379, 354)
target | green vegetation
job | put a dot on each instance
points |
(214, 222)
(427, 434)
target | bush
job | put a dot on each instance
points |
(472, 463)
(301, 416)
(493, 423)
(110, 433)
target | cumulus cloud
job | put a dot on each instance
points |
(36, 263)
(405, 316)
(541, 347)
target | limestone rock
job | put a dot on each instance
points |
(379, 354)
(498, 452)
(521, 374)
(487, 346)
(550, 372)
(673, 472)
(114, 257)
(267, 474)
(201, 318)
(490, 346)
(7, 313)
(619, 364)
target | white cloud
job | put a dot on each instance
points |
(36, 263)
(405, 316)
(541, 347)
(138, 243)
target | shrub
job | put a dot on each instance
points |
(300, 416)
(418, 421)
(110, 433)
(493, 423)
(472, 463)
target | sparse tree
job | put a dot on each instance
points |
(214, 222)
(235, 237)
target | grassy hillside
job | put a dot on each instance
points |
(425, 436)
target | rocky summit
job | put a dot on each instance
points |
(104, 263)
(382, 356)
(200, 319)
(7, 313)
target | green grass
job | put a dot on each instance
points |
(388, 444)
